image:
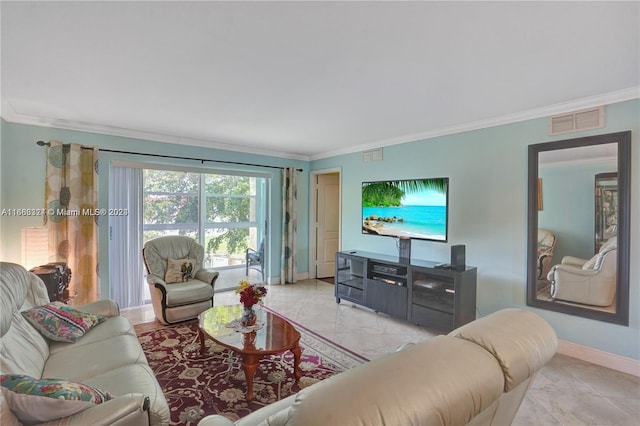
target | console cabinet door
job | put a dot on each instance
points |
(349, 279)
(388, 298)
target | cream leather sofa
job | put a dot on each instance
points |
(476, 375)
(587, 281)
(108, 357)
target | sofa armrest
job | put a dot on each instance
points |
(158, 283)
(207, 275)
(215, 420)
(106, 307)
(520, 340)
(573, 261)
(153, 279)
(272, 414)
(567, 270)
(130, 409)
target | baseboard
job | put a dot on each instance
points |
(299, 277)
(601, 358)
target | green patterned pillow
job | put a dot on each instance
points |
(40, 400)
(61, 322)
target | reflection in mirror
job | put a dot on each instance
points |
(606, 213)
(578, 248)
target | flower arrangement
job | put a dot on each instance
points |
(250, 294)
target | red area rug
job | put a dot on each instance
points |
(199, 385)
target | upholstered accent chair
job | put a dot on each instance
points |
(254, 259)
(546, 244)
(587, 281)
(180, 288)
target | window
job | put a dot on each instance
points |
(171, 203)
(224, 212)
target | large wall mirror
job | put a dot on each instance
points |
(578, 226)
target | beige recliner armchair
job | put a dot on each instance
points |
(180, 288)
(587, 281)
(546, 244)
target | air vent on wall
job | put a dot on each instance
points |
(585, 119)
(372, 155)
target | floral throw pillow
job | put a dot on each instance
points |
(40, 400)
(61, 322)
(179, 270)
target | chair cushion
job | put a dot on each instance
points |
(179, 270)
(81, 363)
(60, 322)
(39, 400)
(112, 327)
(188, 292)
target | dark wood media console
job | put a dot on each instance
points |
(416, 291)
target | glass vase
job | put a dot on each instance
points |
(248, 316)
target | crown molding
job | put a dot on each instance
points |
(9, 115)
(588, 102)
(560, 108)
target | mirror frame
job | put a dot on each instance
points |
(623, 139)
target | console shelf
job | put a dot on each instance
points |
(418, 291)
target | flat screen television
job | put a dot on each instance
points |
(411, 208)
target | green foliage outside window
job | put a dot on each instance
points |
(390, 193)
(173, 198)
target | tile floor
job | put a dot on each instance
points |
(566, 392)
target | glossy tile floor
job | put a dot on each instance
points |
(566, 392)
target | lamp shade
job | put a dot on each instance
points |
(35, 246)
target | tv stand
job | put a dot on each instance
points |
(404, 250)
(423, 292)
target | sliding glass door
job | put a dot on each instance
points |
(226, 213)
(234, 215)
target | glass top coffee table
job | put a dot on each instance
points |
(276, 335)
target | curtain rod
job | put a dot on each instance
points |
(43, 143)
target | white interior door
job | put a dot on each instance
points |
(327, 223)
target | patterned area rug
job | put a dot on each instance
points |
(199, 385)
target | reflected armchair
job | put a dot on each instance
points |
(587, 281)
(546, 244)
(180, 288)
(254, 259)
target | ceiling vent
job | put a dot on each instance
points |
(585, 119)
(372, 155)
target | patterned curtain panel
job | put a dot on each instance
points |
(288, 261)
(71, 194)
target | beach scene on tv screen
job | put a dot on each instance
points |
(407, 208)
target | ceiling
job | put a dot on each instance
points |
(310, 79)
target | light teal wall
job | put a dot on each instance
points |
(568, 207)
(488, 212)
(23, 173)
(488, 179)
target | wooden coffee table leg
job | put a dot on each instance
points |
(296, 360)
(250, 365)
(201, 337)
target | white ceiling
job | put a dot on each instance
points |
(310, 79)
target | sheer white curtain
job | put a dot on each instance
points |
(126, 269)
